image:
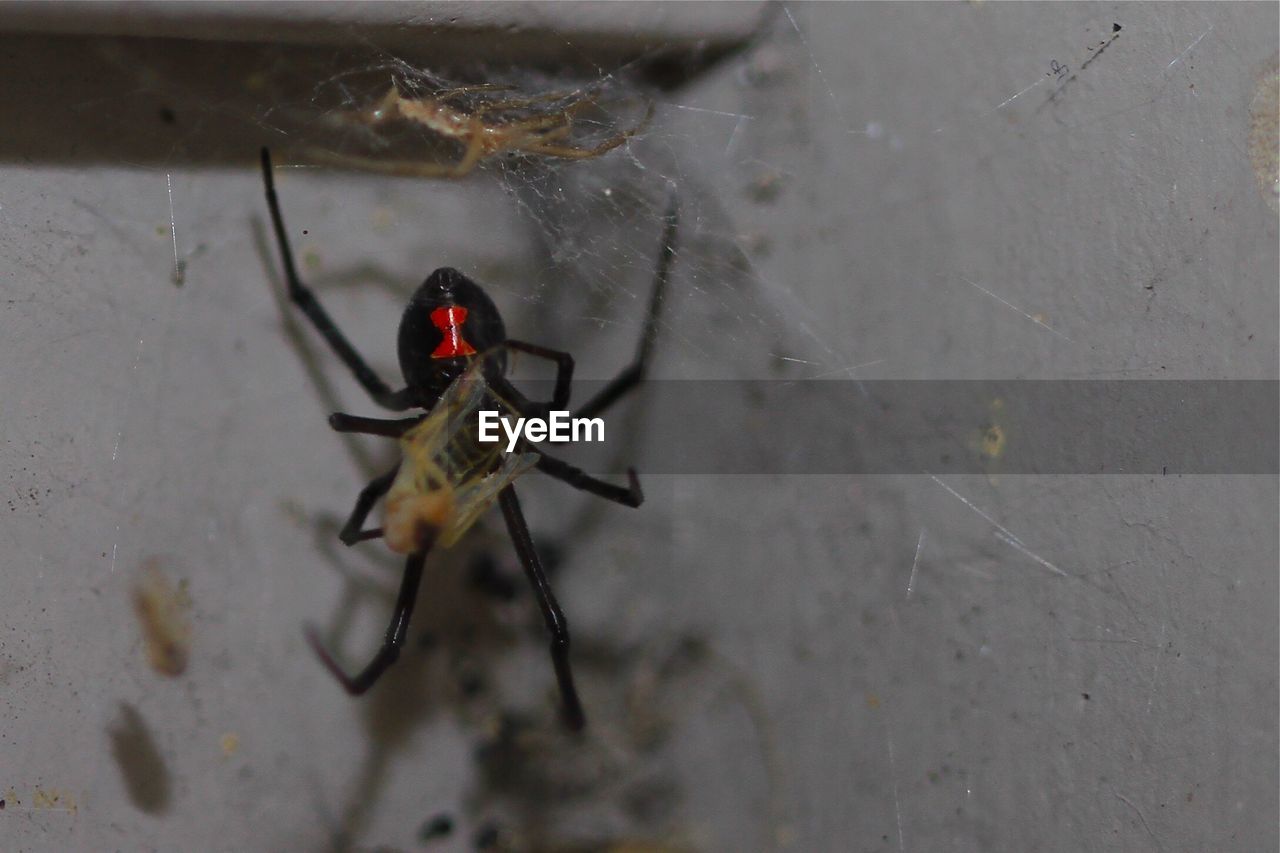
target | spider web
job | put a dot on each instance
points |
(588, 232)
(566, 247)
(592, 225)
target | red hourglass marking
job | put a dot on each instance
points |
(449, 319)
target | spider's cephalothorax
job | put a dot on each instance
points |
(452, 347)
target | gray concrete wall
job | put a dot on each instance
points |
(905, 662)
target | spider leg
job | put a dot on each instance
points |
(540, 137)
(401, 168)
(306, 300)
(396, 632)
(579, 479)
(351, 532)
(559, 122)
(342, 422)
(556, 624)
(631, 376)
(568, 152)
(564, 369)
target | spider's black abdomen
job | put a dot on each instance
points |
(435, 348)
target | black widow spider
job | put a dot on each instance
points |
(451, 334)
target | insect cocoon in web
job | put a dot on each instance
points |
(485, 120)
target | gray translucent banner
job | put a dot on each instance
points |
(1157, 427)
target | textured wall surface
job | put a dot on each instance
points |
(899, 662)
